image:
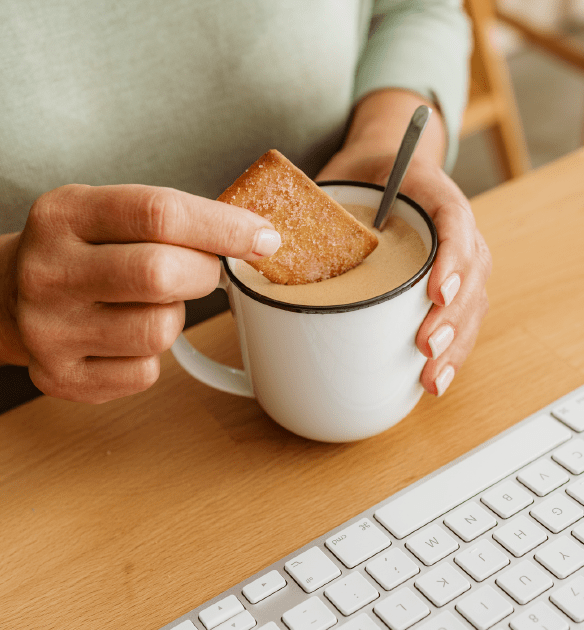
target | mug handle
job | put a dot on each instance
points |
(208, 371)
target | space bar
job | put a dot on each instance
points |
(435, 496)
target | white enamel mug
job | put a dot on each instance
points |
(328, 373)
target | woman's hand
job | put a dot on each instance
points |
(463, 262)
(94, 287)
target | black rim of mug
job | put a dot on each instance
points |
(353, 306)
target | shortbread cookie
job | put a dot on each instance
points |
(320, 239)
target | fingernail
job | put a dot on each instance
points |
(440, 339)
(449, 288)
(444, 379)
(266, 242)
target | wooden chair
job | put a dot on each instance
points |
(554, 41)
(491, 108)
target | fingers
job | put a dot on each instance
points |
(102, 330)
(102, 275)
(438, 373)
(452, 215)
(457, 282)
(433, 336)
(142, 272)
(135, 213)
(95, 380)
(456, 253)
(127, 330)
(109, 352)
(448, 333)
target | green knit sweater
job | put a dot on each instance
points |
(188, 93)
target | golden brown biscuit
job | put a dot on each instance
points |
(320, 239)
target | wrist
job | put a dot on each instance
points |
(380, 121)
(12, 349)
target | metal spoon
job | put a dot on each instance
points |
(400, 166)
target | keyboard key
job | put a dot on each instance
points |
(432, 544)
(557, 512)
(543, 476)
(482, 560)
(442, 621)
(351, 593)
(435, 496)
(571, 456)
(524, 582)
(578, 532)
(442, 584)
(392, 568)
(360, 622)
(312, 569)
(540, 616)
(312, 614)
(507, 499)
(570, 599)
(576, 491)
(520, 536)
(358, 542)
(484, 607)
(221, 611)
(401, 610)
(269, 626)
(470, 521)
(243, 621)
(571, 412)
(562, 557)
(185, 625)
(263, 587)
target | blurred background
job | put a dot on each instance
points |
(528, 63)
(526, 108)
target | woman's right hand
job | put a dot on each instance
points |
(95, 284)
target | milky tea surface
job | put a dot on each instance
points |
(399, 255)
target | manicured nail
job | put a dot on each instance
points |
(449, 288)
(267, 242)
(444, 379)
(440, 339)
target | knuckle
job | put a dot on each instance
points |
(154, 274)
(467, 250)
(487, 259)
(465, 208)
(72, 382)
(34, 333)
(483, 254)
(157, 218)
(208, 276)
(38, 276)
(161, 331)
(145, 374)
(234, 237)
(30, 277)
(61, 381)
(50, 214)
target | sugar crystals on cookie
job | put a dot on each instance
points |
(320, 239)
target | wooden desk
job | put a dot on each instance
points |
(129, 514)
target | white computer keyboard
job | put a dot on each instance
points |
(493, 539)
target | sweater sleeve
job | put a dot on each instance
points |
(423, 46)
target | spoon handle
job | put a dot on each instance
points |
(402, 161)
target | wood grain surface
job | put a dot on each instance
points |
(128, 514)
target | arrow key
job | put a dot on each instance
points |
(224, 609)
(263, 587)
(243, 621)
